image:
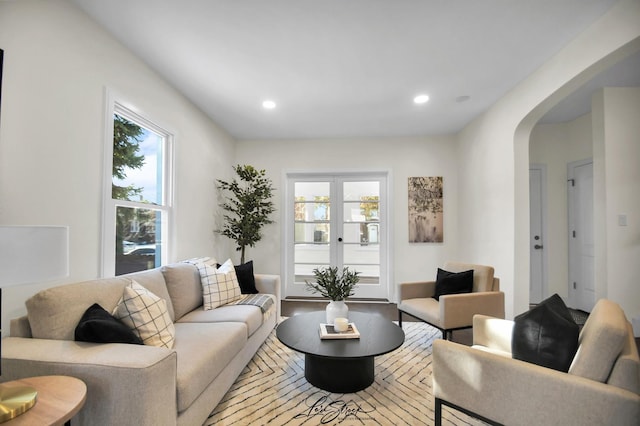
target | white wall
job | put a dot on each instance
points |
(57, 63)
(402, 158)
(618, 165)
(609, 135)
(494, 150)
(556, 145)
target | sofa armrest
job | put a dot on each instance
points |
(514, 392)
(126, 384)
(415, 290)
(270, 284)
(493, 333)
(20, 327)
(457, 310)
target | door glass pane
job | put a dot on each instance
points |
(361, 229)
(138, 241)
(355, 191)
(312, 229)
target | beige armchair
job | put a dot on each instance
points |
(452, 311)
(602, 386)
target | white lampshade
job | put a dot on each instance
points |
(30, 254)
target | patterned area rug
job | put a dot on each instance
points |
(272, 390)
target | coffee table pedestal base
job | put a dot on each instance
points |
(339, 375)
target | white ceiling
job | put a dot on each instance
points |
(345, 68)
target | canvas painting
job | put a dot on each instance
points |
(425, 210)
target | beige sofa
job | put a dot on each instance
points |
(138, 384)
(602, 386)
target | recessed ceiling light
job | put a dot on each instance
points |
(268, 104)
(421, 99)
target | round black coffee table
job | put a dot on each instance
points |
(340, 365)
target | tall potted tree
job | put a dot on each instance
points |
(248, 206)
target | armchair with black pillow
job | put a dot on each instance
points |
(538, 370)
(449, 303)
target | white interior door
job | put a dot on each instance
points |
(581, 244)
(537, 194)
(337, 221)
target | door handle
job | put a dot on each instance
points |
(537, 246)
(340, 239)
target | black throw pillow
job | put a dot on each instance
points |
(246, 279)
(546, 335)
(99, 326)
(453, 282)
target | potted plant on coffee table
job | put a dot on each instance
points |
(337, 287)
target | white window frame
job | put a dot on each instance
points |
(116, 105)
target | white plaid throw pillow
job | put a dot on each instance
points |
(219, 286)
(147, 315)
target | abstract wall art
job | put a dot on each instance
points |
(425, 210)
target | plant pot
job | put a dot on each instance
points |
(336, 309)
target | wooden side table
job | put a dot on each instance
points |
(59, 399)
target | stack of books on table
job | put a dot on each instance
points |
(328, 331)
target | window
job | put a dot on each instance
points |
(138, 180)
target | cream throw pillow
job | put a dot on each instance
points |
(147, 315)
(219, 286)
(211, 261)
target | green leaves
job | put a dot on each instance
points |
(126, 140)
(336, 286)
(247, 205)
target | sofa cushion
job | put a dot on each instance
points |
(428, 309)
(147, 315)
(99, 326)
(55, 312)
(601, 341)
(546, 335)
(251, 316)
(453, 282)
(184, 287)
(204, 350)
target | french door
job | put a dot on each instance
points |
(337, 220)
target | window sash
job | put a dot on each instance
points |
(110, 205)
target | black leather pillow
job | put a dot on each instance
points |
(546, 335)
(246, 279)
(99, 326)
(453, 282)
